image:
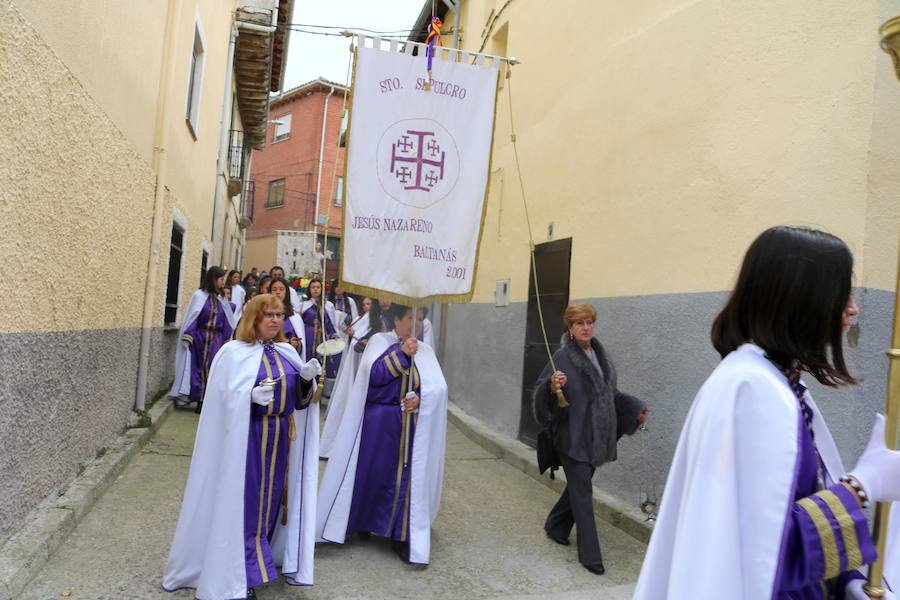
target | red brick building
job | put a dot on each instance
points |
(286, 176)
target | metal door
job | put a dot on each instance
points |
(552, 260)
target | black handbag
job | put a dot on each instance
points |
(546, 453)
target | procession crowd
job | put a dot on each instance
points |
(757, 492)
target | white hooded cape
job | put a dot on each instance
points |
(238, 295)
(329, 310)
(427, 474)
(182, 384)
(343, 385)
(208, 548)
(427, 332)
(731, 486)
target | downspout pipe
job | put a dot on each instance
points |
(455, 6)
(160, 143)
(223, 169)
(321, 158)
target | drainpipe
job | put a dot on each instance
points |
(223, 166)
(321, 158)
(160, 142)
(456, 7)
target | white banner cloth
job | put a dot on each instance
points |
(417, 171)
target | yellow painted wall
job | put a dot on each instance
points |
(260, 253)
(82, 81)
(667, 135)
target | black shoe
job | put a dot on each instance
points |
(562, 541)
(251, 594)
(596, 569)
(197, 410)
(402, 550)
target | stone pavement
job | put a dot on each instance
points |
(487, 540)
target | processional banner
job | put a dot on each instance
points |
(418, 161)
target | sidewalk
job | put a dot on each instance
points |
(487, 540)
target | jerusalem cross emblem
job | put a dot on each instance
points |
(417, 160)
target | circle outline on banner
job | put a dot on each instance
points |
(383, 153)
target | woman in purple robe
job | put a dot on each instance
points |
(310, 312)
(258, 384)
(206, 334)
(758, 503)
(381, 490)
(279, 288)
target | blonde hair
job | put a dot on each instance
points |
(577, 312)
(253, 316)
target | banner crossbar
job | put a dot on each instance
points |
(406, 47)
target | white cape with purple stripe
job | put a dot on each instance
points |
(730, 486)
(208, 548)
(427, 469)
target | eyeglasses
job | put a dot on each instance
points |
(273, 315)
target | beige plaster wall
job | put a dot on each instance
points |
(666, 140)
(260, 253)
(76, 196)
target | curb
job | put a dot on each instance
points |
(513, 452)
(48, 526)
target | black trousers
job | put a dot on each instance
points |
(575, 507)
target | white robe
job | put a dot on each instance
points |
(729, 489)
(295, 299)
(297, 324)
(182, 384)
(343, 386)
(427, 469)
(427, 332)
(238, 295)
(329, 310)
(208, 548)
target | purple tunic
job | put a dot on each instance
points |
(268, 444)
(205, 336)
(290, 333)
(312, 323)
(826, 536)
(381, 491)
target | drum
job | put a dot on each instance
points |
(331, 347)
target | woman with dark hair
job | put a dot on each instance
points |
(310, 312)
(294, 330)
(265, 285)
(377, 480)
(250, 498)
(233, 281)
(208, 324)
(586, 430)
(757, 503)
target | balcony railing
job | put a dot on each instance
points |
(237, 161)
(248, 196)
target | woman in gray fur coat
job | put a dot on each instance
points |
(586, 430)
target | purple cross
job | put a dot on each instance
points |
(405, 144)
(433, 147)
(404, 174)
(419, 161)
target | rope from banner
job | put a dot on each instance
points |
(560, 397)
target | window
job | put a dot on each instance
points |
(174, 283)
(339, 197)
(276, 194)
(343, 138)
(195, 81)
(282, 128)
(204, 261)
